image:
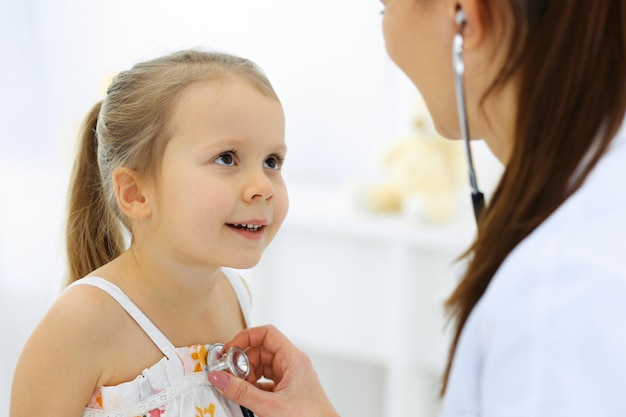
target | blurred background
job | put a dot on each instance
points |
(378, 210)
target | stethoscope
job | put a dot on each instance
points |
(478, 200)
(234, 361)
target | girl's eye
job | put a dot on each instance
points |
(226, 159)
(273, 162)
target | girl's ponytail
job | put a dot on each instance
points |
(93, 233)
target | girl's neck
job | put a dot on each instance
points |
(188, 307)
(172, 285)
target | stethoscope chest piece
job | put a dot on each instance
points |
(234, 361)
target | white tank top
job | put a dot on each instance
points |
(177, 385)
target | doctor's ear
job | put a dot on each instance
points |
(131, 193)
(470, 19)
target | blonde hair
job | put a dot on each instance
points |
(125, 129)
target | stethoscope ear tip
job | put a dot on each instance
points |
(460, 17)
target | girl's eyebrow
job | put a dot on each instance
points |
(281, 148)
(237, 144)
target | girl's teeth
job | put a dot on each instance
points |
(248, 226)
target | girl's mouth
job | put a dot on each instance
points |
(247, 227)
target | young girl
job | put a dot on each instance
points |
(184, 154)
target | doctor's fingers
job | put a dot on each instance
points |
(267, 337)
(269, 351)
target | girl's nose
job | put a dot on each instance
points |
(258, 186)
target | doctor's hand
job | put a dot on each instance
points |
(294, 388)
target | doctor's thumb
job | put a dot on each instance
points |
(240, 391)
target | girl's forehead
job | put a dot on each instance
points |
(228, 108)
(225, 82)
(223, 94)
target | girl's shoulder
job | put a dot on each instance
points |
(83, 320)
(93, 312)
(66, 355)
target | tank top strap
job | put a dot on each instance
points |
(142, 320)
(242, 292)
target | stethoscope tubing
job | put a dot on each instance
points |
(478, 200)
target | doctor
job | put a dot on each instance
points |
(540, 314)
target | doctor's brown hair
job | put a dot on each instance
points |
(127, 129)
(569, 60)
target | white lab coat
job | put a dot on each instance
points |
(548, 338)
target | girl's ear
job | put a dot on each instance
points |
(131, 194)
(476, 21)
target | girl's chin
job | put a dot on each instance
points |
(249, 262)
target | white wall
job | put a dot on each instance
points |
(344, 102)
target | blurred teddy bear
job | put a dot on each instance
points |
(423, 175)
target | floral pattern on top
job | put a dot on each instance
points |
(176, 387)
(200, 356)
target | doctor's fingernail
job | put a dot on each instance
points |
(219, 380)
